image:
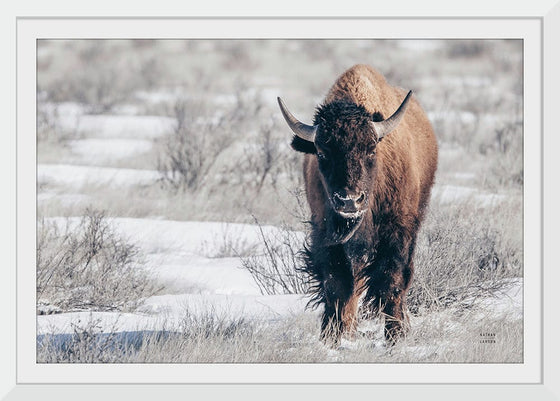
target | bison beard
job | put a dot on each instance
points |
(340, 229)
(364, 259)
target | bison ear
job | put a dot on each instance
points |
(301, 145)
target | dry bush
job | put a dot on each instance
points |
(48, 126)
(88, 267)
(201, 134)
(465, 252)
(276, 270)
(505, 152)
(262, 160)
(50, 130)
(192, 149)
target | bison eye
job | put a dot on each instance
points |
(321, 156)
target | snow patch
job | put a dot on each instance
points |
(462, 116)
(117, 126)
(464, 176)
(444, 194)
(504, 304)
(103, 150)
(201, 285)
(65, 199)
(78, 176)
(419, 45)
(167, 312)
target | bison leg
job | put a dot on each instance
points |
(340, 302)
(394, 304)
(388, 283)
(340, 319)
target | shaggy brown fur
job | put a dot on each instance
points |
(368, 259)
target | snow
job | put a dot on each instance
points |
(222, 276)
(168, 311)
(116, 126)
(419, 45)
(225, 99)
(458, 82)
(507, 303)
(200, 285)
(464, 176)
(68, 109)
(467, 117)
(103, 150)
(65, 199)
(78, 176)
(445, 194)
(160, 96)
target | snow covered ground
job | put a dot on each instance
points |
(77, 176)
(117, 126)
(177, 255)
(200, 285)
(103, 150)
(182, 255)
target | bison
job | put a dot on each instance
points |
(369, 166)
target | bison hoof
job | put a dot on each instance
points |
(394, 332)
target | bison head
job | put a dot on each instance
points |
(344, 138)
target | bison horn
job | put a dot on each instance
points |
(304, 131)
(382, 128)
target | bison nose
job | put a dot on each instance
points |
(348, 203)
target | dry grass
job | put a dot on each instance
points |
(447, 337)
(465, 250)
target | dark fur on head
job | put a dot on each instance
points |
(301, 145)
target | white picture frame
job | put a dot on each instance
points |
(532, 378)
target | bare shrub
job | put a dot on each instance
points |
(276, 270)
(506, 156)
(248, 105)
(262, 160)
(99, 88)
(48, 127)
(192, 149)
(463, 252)
(201, 134)
(88, 267)
(150, 72)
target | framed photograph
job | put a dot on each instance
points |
(283, 201)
